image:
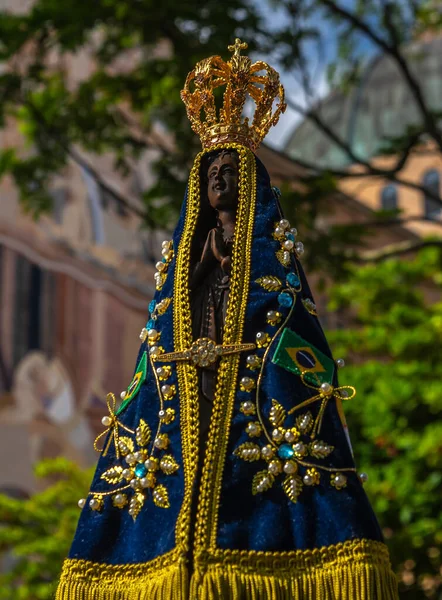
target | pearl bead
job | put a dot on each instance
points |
(130, 459)
(294, 231)
(161, 372)
(286, 256)
(139, 456)
(326, 387)
(299, 247)
(247, 407)
(344, 393)
(119, 499)
(160, 266)
(277, 435)
(145, 482)
(155, 351)
(134, 483)
(340, 362)
(299, 448)
(288, 245)
(127, 474)
(151, 464)
(289, 436)
(267, 451)
(340, 480)
(275, 467)
(253, 361)
(107, 421)
(290, 467)
(131, 511)
(363, 477)
(123, 394)
(166, 389)
(284, 223)
(247, 384)
(252, 429)
(165, 244)
(279, 231)
(94, 504)
(152, 335)
(82, 502)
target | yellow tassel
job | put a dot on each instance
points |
(353, 570)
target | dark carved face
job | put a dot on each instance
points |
(222, 188)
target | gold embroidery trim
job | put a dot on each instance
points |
(350, 552)
(211, 481)
(186, 372)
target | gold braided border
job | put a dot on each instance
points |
(186, 372)
(211, 481)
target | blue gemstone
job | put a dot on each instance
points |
(285, 451)
(293, 280)
(285, 299)
(290, 236)
(150, 324)
(152, 305)
(163, 260)
(140, 470)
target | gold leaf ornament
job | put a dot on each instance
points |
(320, 449)
(126, 443)
(136, 504)
(248, 451)
(143, 433)
(163, 305)
(262, 481)
(277, 414)
(305, 422)
(113, 475)
(168, 464)
(292, 486)
(161, 497)
(270, 283)
(283, 257)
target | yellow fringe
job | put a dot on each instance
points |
(353, 570)
(84, 580)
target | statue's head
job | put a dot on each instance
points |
(222, 180)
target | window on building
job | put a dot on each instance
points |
(96, 212)
(59, 197)
(431, 182)
(389, 197)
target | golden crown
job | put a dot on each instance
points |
(241, 78)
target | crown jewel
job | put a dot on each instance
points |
(241, 78)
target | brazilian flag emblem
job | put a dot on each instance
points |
(135, 384)
(298, 356)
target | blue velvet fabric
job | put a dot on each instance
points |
(322, 515)
(267, 521)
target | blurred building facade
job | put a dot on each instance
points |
(382, 108)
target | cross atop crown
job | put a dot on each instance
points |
(237, 47)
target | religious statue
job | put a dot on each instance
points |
(227, 473)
